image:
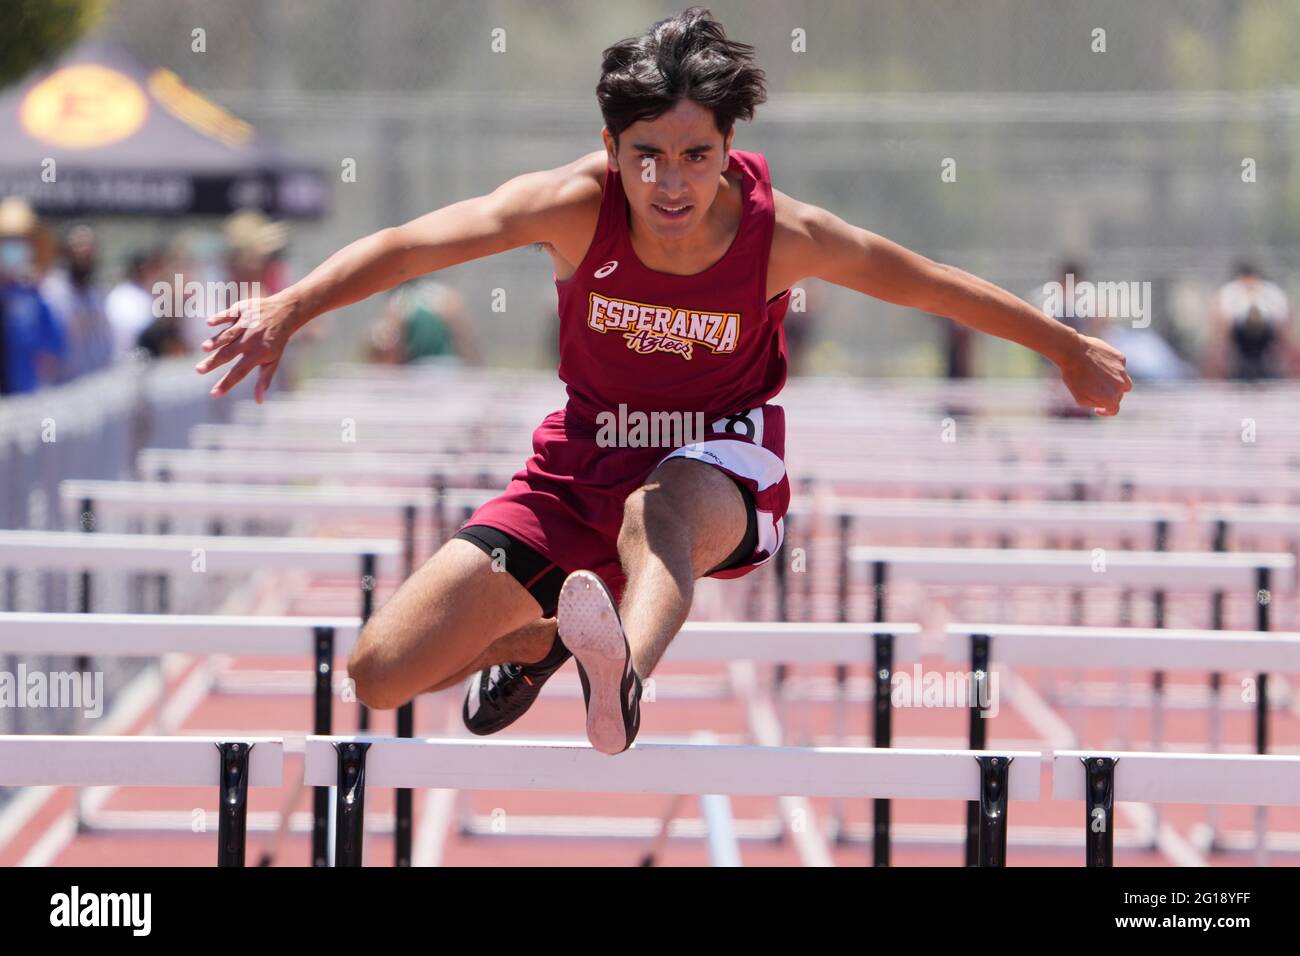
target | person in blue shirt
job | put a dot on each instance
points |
(33, 342)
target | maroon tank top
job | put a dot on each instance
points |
(709, 342)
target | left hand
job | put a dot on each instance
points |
(1094, 374)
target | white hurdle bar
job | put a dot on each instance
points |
(127, 635)
(168, 554)
(232, 766)
(1099, 778)
(1124, 647)
(90, 500)
(352, 763)
(1197, 571)
(149, 635)
(187, 464)
(913, 515)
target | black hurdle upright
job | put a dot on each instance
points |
(1099, 810)
(1263, 600)
(979, 665)
(323, 639)
(232, 816)
(87, 522)
(350, 803)
(367, 606)
(842, 669)
(1217, 599)
(993, 810)
(405, 713)
(163, 580)
(781, 670)
(881, 725)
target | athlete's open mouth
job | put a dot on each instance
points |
(673, 212)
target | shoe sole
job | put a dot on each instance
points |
(590, 628)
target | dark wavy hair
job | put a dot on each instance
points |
(687, 56)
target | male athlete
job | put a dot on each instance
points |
(674, 258)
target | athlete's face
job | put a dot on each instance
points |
(671, 167)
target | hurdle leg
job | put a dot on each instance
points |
(405, 718)
(350, 803)
(882, 736)
(1217, 599)
(367, 607)
(322, 724)
(82, 663)
(1216, 745)
(1099, 821)
(979, 663)
(1263, 598)
(993, 810)
(880, 808)
(232, 817)
(841, 671)
(163, 581)
(1157, 708)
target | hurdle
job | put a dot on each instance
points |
(1099, 778)
(1202, 572)
(353, 763)
(878, 645)
(126, 635)
(1133, 647)
(173, 554)
(229, 766)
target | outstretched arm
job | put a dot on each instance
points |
(524, 210)
(820, 244)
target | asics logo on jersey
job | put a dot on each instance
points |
(606, 269)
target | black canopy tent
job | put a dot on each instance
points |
(99, 134)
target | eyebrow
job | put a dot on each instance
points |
(648, 148)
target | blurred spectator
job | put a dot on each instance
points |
(424, 321)
(255, 248)
(32, 343)
(78, 302)
(130, 304)
(1249, 338)
(1149, 357)
(164, 337)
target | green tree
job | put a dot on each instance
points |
(36, 31)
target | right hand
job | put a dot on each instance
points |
(257, 332)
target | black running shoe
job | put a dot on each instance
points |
(502, 693)
(611, 686)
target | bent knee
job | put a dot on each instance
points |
(373, 679)
(649, 512)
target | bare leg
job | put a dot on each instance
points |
(439, 623)
(685, 520)
(528, 645)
